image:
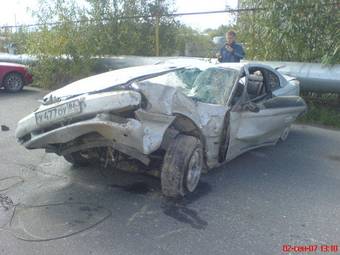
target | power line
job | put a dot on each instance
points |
(137, 17)
(238, 10)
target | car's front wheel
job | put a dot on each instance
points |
(182, 166)
(13, 82)
(284, 134)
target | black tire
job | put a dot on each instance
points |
(13, 82)
(182, 166)
(77, 159)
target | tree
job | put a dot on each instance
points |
(62, 51)
(126, 26)
(69, 36)
(294, 30)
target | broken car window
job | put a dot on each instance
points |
(211, 85)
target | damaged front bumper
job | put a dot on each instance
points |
(140, 134)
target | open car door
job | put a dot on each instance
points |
(259, 118)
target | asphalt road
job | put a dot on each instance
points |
(255, 204)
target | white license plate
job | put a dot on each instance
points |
(59, 112)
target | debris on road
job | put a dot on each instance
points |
(6, 202)
(54, 221)
(4, 128)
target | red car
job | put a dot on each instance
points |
(13, 77)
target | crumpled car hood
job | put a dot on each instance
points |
(106, 80)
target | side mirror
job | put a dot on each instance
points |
(250, 106)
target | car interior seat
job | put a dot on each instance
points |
(255, 85)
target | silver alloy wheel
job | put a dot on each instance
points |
(194, 170)
(285, 134)
(14, 82)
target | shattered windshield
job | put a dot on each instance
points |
(212, 85)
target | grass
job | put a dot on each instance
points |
(322, 110)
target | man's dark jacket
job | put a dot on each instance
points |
(235, 56)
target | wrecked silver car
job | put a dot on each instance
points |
(180, 119)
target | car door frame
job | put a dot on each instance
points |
(248, 126)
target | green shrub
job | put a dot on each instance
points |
(51, 73)
(321, 112)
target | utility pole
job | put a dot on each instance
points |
(253, 34)
(157, 28)
(157, 35)
(237, 14)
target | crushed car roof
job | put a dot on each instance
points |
(122, 76)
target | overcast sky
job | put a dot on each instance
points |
(15, 11)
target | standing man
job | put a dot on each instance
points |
(231, 51)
